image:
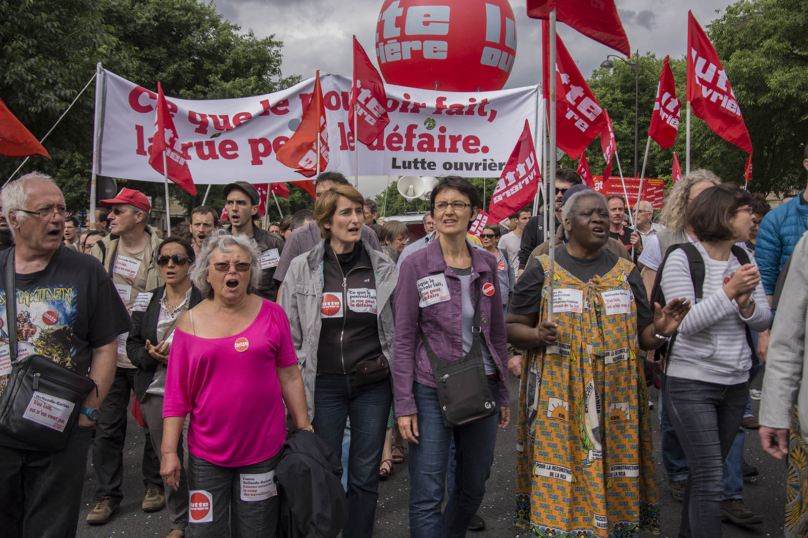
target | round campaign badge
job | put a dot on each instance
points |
(50, 317)
(331, 304)
(242, 344)
(488, 290)
(501, 265)
(200, 507)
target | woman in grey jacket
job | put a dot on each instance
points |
(339, 299)
(707, 378)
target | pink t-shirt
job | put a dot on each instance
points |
(231, 389)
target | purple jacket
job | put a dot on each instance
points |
(442, 321)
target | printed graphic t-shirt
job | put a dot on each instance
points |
(63, 312)
(129, 277)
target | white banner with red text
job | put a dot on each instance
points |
(431, 133)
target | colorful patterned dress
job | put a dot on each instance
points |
(796, 523)
(584, 449)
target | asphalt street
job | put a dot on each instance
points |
(766, 495)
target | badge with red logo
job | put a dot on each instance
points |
(242, 344)
(501, 265)
(50, 317)
(331, 305)
(201, 507)
(488, 289)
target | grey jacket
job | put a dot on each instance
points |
(786, 380)
(301, 297)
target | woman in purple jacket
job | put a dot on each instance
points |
(448, 298)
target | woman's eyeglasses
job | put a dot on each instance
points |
(178, 259)
(744, 209)
(488, 236)
(242, 267)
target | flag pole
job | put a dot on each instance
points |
(356, 146)
(536, 141)
(642, 175)
(266, 207)
(207, 191)
(687, 164)
(99, 106)
(623, 181)
(552, 163)
(168, 203)
(276, 204)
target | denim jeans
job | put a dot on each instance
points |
(368, 406)
(40, 492)
(231, 514)
(428, 464)
(706, 417)
(673, 457)
(733, 468)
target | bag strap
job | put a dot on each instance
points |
(11, 306)
(434, 362)
(697, 269)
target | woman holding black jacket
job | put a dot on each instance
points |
(155, 315)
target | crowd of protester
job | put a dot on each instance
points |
(331, 334)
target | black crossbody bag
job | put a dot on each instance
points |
(463, 391)
(41, 403)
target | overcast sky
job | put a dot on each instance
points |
(317, 34)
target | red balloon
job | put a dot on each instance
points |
(449, 45)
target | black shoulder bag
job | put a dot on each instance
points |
(41, 403)
(463, 391)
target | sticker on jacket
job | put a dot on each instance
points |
(200, 506)
(48, 410)
(5, 361)
(124, 292)
(121, 343)
(433, 290)
(501, 265)
(270, 259)
(362, 300)
(126, 267)
(258, 487)
(568, 300)
(331, 305)
(142, 301)
(616, 302)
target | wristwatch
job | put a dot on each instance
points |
(89, 412)
(748, 306)
(661, 337)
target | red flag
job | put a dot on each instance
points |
(307, 185)
(747, 169)
(579, 117)
(583, 171)
(597, 20)
(608, 144)
(676, 173)
(165, 140)
(224, 215)
(278, 189)
(709, 92)
(519, 180)
(15, 139)
(665, 119)
(368, 96)
(300, 151)
(479, 223)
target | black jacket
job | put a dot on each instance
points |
(313, 503)
(146, 329)
(532, 237)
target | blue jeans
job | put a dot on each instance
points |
(231, 515)
(428, 466)
(706, 417)
(368, 406)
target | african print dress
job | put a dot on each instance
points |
(584, 449)
(796, 522)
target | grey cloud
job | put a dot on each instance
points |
(646, 19)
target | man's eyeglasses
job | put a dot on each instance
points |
(488, 236)
(456, 205)
(178, 259)
(561, 191)
(47, 213)
(241, 267)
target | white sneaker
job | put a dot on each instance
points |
(755, 394)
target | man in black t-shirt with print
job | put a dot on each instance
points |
(69, 311)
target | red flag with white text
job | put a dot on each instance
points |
(15, 139)
(665, 119)
(597, 20)
(368, 96)
(300, 151)
(709, 91)
(519, 181)
(747, 169)
(608, 144)
(479, 223)
(278, 189)
(166, 140)
(676, 173)
(583, 171)
(579, 117)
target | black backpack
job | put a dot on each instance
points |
(697, 272)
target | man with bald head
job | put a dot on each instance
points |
(643, 223)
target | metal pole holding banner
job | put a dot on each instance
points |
(277, 204)
(553, 162)
(207, 191)
(642, 176)
(356, 146)
(97, 125)
(623, 181)
(687, 157)
(168, 202)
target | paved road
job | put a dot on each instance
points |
(766, 495)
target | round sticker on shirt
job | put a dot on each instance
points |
(331, 304)
(501, 265)
(201, 507)
(242, 344)
(488, 289)
(50, 317)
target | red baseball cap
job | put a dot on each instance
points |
(131, 197)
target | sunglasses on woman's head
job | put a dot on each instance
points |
(178, 259)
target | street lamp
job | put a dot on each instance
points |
(607, 64)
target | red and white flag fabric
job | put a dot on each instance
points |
(307, 185)
(300, 151)
(15, 139)
(709, 91)
(166, 140)
(665, 119)
(608, 144)
(368, 98)
(278, 189)
(584, 172)
(479, 223)
(519, 181)
(747, 169)
(579, 117)
(676, 173)
(597, 20)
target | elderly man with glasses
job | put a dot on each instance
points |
(645, 226)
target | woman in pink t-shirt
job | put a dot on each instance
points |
(232, 367)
